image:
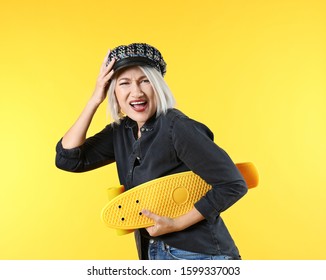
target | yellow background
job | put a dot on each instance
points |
(253, 71)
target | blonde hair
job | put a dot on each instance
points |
(163, 94)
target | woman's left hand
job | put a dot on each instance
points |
(162, 225)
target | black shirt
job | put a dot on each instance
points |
(169, 144)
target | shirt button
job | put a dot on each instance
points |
(142, 129)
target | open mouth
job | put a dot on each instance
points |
(139, 105)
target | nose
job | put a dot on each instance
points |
(136, 89)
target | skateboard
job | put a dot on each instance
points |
(169, 196)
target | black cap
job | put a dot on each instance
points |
(137, 54)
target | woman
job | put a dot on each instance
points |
(148, 139)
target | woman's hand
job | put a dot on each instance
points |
(103, 81)
(76, 135)
(164, 225)
(161, 226)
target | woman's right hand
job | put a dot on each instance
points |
(76, 135)
(103, 81)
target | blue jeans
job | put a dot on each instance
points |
(158, 250)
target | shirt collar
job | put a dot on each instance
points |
(148, 126)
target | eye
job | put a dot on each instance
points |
(123, 83)
(145, 81)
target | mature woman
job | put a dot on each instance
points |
(148, 139)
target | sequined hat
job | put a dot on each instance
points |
(137, 54)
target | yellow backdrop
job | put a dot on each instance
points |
(253, 71)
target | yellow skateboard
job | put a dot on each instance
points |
(169, 196)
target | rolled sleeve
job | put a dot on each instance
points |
(67, 159)
(97, 151)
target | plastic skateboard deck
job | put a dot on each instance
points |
(170, 196)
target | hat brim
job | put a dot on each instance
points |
(133, 61)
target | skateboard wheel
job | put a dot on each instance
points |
(115, 191)
(124, 231)
(249, 173)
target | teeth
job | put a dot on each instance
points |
(138, 102)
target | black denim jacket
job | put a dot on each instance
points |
(169, 144)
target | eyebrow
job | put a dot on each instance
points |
(125, 78)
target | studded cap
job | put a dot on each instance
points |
(137, 54)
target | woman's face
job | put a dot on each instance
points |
(135, 95)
